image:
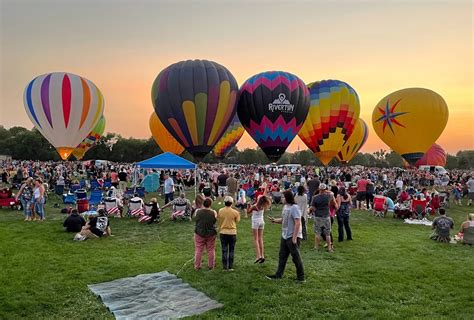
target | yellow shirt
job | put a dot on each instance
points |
(227, 219)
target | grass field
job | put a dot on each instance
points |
(389, 271)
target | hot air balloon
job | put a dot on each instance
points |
(272, 108)
(354, 143)
(196, 101)
(332, 116)
(64, 107)
(410, 120)
(163, 138)
(91, 140)
(230, 138)
(435, 156)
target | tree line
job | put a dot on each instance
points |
(23, 144)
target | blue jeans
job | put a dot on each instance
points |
(39, 208)
(26, 204)
(168, 197)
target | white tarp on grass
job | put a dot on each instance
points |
(152, 296)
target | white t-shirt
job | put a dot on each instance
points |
(399, 184)
(169, 185)
(470, 185)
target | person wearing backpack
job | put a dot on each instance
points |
(441, 226)
(344, 204)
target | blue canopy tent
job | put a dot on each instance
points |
(168, 160)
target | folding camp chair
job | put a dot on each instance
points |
(140, 191)
(95, 198)
(74, 187)
(69, 198)
(95, 185)
(180, 212)
(135, 208)
(81, 194)
(146, 217)
(380, 206)
(418, 207)
(107, 183)
(111, 207)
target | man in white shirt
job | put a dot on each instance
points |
(399, 184)
(169, 188)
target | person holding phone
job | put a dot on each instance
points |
(258, 223)
(291, 235)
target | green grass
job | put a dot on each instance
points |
(390, 270)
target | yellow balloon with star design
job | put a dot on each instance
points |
(410, 120)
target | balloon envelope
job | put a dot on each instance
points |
(230, 138)
(64, 107)
(91, 140)
(435, 156)
(332, 116)
(410, 120)
(196, 101)
(354, 143)
(272, 108)
(163, 138)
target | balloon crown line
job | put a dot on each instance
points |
(198, 101)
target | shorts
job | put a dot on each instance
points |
(322, 226)
(222, 190)
(258, 224)
(361, 195)
(470, 195)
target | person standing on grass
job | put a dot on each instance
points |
(168, 188)
(228, 219)
(301, 200)
(291, 236)
(320, 205)
(344, 203)
(205, 235)
(122, 176)
(25, 194)
(38, 199)
(258, 224)
(470, 190)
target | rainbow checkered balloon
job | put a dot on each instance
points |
(230, 138)
(332, 116)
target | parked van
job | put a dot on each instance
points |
(438, 170)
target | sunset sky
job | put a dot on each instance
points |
(375, 46)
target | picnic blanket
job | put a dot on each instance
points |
(152, 296)
(423, 221)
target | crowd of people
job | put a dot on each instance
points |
(306, 193)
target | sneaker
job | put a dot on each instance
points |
(230, 270)
(262, 260)
(273, 277)
(300, 280)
